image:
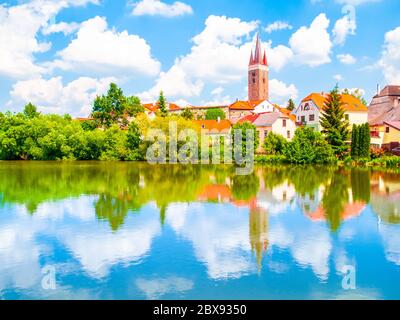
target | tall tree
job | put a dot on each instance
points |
(30, 111)
(335, 126)
(109, 109)
(291, 106)
(133, 106)
(162, 105)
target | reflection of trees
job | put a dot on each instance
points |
(245, 187)
(360, 184)
(335, 198)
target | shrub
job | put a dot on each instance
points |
(308, 147)
(274, 144)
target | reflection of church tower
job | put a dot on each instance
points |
(258, 74)
(258, 225)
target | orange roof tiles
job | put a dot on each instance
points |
(245, 105)
(350, 103)
(154, 106)
(214, 125)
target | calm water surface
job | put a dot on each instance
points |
(136, 231)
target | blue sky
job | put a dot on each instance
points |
(61, 54)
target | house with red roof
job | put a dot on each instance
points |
(278, 122)
(311, 107)
(152, 108)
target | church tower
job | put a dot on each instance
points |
(258, 74)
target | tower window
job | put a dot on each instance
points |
(254, 80)
(263, 80)
(253, 73)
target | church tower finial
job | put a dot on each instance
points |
(258, 73)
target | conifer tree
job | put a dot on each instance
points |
(334, 125)
(162, 105)
(291, 106)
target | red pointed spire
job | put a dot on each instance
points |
(265, 62)
(257, 56)
(251, 59)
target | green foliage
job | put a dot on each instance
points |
(52, 137)
(335, 126)
(291, 106)
(361, 142)
(187, 114)
(386, 161)
(162, 105)
(243, 128)
(114, 107)
(274, 144)
(215, 113)
(133, 106)
(307, 147)
(30, 111)
(270, 159)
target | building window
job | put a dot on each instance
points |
(387, 129)
(265, 133)
(254, 80)
(288, 134)
(253, 74)
(303, 119)
(284, 122)
(312, 117)
(263, 80)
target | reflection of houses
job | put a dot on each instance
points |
(310, 202)
(351, 210)
(385, 196)
(310, 109)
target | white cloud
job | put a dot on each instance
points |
(19, 26)
(278, 56)
(219, 55)
(346, 58)
(51, 96)
(312, 45)
(278, 25)
(106, 51)
(217, 91)
(157, 287)
(157, 7)
(390, 59)
(338, 77)
(343, 27)
(65, 28)
(280, 92)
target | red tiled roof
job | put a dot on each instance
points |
(214, 125)
(350, 103)
(245, 105)
(154, 106)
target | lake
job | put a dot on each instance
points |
(115, 230)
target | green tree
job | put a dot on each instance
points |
(215, 113)
(109, 109)
(133, 106)
(361, 142)
(334, 125)
(162, 105)
(243, 128)
(187, 114)
(274, 144)
(30, 111)
(291, 106)
(307, 147)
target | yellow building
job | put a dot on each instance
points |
(387, 135)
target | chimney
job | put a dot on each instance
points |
(219, 119)
(378, 89)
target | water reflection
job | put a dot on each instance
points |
(162, 226)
